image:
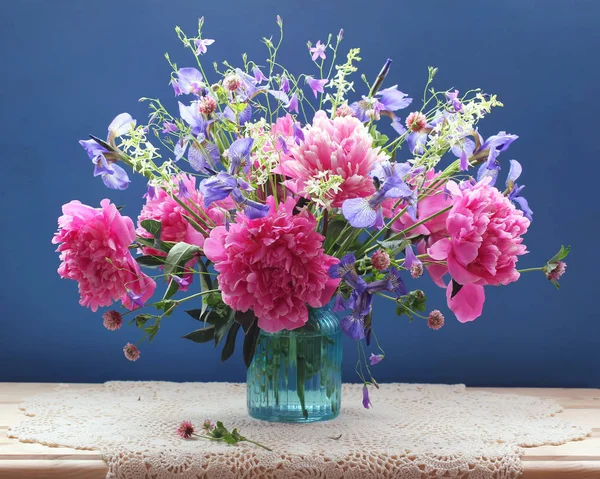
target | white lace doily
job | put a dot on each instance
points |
(413, 431)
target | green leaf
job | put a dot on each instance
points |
(334, 228)
(250, 344)
(222, 327)
(205, 283)
(203, 335)
(562, 254)
(245, 319)
(301, 380)
(178, 256)
(166, 305)
(395, 247)
(194, 224)
(150, 261)
(172, 289)
(152, 330)
(195, 313)
(164, 246)
(142, 319)
(229, 346)
(154, 228)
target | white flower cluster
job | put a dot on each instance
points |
(265, 150)
(322, 187)
(339, 82)
(142, 153)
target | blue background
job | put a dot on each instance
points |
(68, 67)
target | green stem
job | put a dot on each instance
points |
(527, 270)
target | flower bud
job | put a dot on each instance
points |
(131, 352)
(435, 320)
(113, 320)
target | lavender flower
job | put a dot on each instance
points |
(412, 263)
(452, 97)
(366, 400)
(318, 51)
(293, 104)
(180, 281)
(375, 358)
(316, 85)
(169, 127)
(259, 76)
(284, 84)
(201, 45)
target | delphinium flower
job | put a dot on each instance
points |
(343, 146)
(94, 250)
(485, 239)
(435, 320)
(131, 352)
(274, 265)
(104, 159)
(113, 320)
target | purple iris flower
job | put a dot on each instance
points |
(452, 97)
(398, 286)
(113, 176)
(180, 148)
(293, 104)
(367, 109)
(316, 85)
(363, 212)
(192, 116)
(189, 80)
(243, 117)
(360, 303)
(239, 154)
(258, 75)
(203, 157)
(463, 150)
(495, 145)
(201, 45)
(398, 126)
(344, 267)
(281, 96)
(393, 99)
(339, 303)
(375, 358)
(284, 84)
(366, 401)
(515, 190)
(248, 88)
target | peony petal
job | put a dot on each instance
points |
(467, 304)
(440, 250)
(458, 272)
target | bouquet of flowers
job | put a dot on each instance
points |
(273, 192)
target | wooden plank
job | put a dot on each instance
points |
(55, 469)
(15, 450)
(583, 417)
(584, 450)
(561, 470)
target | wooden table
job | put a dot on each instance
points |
(580, 459)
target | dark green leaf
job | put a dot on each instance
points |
(455, 289)
(142, 319)
(245, 319)
(164, 246)
(194, 224)
(205, 283)
(150, 261)
(154, 228)
(203, 335)
(250, 344)
(301, 380)
(195, 313)
(172, 289)
(562, 254)
(334, 228)
(166, 305)
(178, 256)
(395, 247)
(222, 327)
(152, 330)
(229, 346)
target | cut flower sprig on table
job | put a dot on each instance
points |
(271, 192)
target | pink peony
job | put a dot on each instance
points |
(94, 249)
(273, 266)
(342, 146)
(484, 241)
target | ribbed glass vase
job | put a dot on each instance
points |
(296, 376)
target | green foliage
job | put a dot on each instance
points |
(141, 319)
(203, 335)
(411, 302)
(154, 228)
(178, 256)
(250, 343)
(150, 261)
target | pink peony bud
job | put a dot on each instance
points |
(435, 320)
(131, 352)
(416, 121)
(112, 320)
(380, 260)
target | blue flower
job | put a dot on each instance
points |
(514, 190)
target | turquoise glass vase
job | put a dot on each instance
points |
(296, 376)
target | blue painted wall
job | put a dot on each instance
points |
(68, 67)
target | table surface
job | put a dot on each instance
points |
(579, 459)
